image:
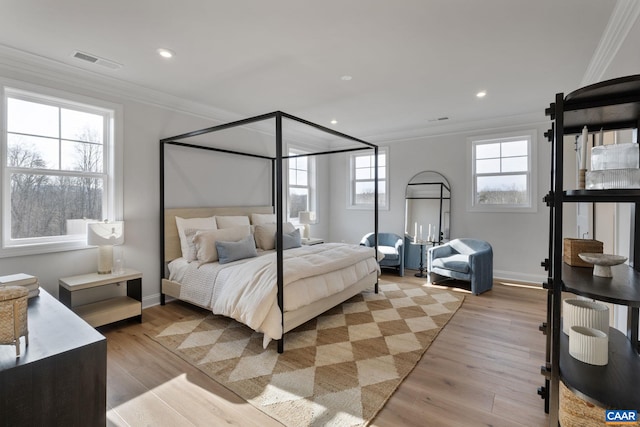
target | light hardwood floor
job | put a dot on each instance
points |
(482, 370)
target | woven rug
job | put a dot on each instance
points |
(338, 369)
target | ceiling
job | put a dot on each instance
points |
(411, 62)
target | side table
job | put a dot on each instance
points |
(108, 310)
(422, 244)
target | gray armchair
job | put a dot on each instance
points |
(463, 259)
(391, 246)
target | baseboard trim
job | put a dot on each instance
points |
(536, 279)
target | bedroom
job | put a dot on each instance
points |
(415, 144)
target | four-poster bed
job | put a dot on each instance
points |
(358, 275)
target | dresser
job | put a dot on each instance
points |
(61, 377)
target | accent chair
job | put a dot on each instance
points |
(391, 246)
(466, 259)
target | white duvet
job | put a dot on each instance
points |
(247, 290)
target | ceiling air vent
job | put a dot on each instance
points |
(96, 60)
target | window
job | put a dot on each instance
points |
(502, 173)
(362, 172)
(301, 184)
(58, 169)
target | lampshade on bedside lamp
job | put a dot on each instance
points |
(105, 235)
(305, 218)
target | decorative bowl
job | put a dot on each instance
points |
(580, 312)
(602, 262)
(589, 345)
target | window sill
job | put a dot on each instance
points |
(41, 248)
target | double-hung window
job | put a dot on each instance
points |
(502, 172)
(58, 170)
(301, 184)
(362, 179)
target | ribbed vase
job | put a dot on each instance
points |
(591, 314)
(589, 345)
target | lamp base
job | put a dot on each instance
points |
(105, 259)
(305, 232)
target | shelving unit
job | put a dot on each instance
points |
(609, 105)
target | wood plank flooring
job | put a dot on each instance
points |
(482, 370)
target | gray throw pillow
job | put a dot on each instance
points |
(291, 240)
(233, 251)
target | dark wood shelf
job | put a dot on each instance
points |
(623, 288)
(614, 385)
(612, 104)
(602, 196)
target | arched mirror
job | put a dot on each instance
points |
(427, 215)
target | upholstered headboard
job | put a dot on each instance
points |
(171, 239)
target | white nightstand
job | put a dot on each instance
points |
(311, 241)
(108, 310)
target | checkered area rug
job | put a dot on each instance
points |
(337, 370)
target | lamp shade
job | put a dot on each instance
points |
(105, 233)
(306, 217)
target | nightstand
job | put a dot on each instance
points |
(108, 310)
(311, 241)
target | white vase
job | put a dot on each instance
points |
(589, 345)
(578, 312)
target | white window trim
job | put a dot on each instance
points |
(114, 180)
(350, 174)
(532, 205)
(311, 179)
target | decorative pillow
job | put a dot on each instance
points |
(259, 219)
(205, 241)
(227, 221)
(233, 251)
(265, 235)
(291, 240)
(192, 252)
(193, 223)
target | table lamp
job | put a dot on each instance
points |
(305, 218)
(105, 235)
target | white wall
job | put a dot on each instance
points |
(519, 240)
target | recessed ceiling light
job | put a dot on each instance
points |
(481, 94)
(334, 122)
(346, 78)
(166, 53)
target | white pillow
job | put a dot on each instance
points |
(265, 235)
(227, 221)
(193, 223)
(205, 241)
(259, 219)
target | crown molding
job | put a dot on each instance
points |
(624, 16)
(484, 125)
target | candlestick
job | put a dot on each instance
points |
(583, 156)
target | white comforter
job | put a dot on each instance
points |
(247, 291)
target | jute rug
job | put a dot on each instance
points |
(338, 369)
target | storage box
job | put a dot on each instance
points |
(573, 247)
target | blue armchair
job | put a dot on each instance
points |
(463, 259)
(391, 246)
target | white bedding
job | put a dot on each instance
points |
(246, 290)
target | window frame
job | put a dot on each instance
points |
(351, 193)
(530, 206)
(311, 183)
(112, 165)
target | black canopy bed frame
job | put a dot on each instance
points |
(277, 171)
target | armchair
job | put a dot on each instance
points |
(392, 246)
(463, 259)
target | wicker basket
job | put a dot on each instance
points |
(577, 412)
(573, 247)
(13, 316)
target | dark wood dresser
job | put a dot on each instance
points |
(60, 379)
